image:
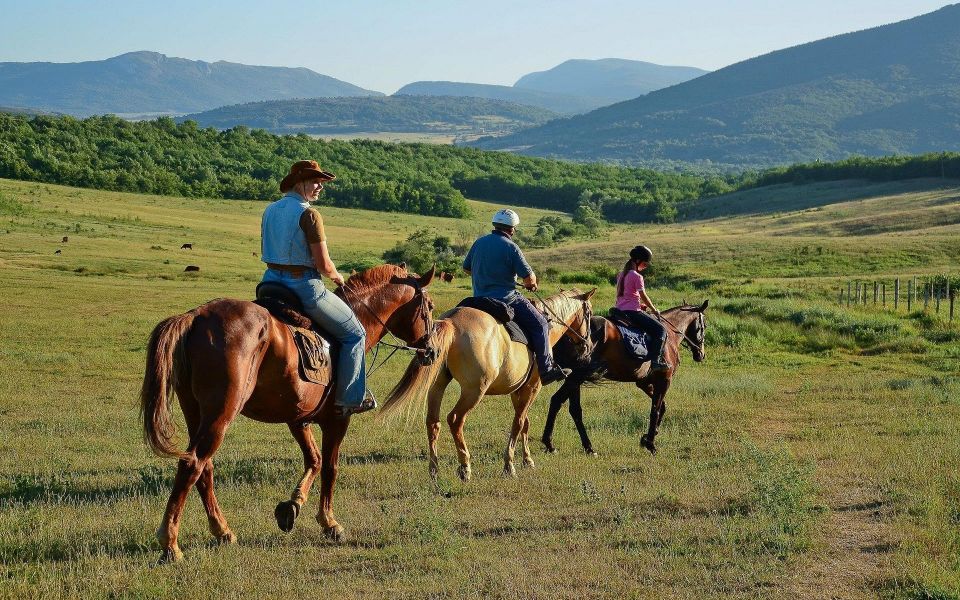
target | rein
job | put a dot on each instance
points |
(586, 319)
(685, 337)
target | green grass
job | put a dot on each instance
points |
(813, 454)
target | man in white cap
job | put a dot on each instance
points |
(493, 262)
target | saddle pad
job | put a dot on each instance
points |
(635, 343)
(315, 362)
(500, 311)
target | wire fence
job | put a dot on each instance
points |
(928, 293)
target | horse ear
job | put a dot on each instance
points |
(590, 294)
(703, 306)
(402, 265)
(683, 302)
(427, 277)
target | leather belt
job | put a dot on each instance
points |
(294, 270)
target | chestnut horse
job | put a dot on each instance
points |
(684, 324)
(473, 348)
(231, 357)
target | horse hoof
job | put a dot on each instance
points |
(510, 472)
(170, 555)
(590, 452)
(286, 514)
(464, 473)
(226, 538)
(336, 534)
(648, 444)
(548, 446)
(529, 464)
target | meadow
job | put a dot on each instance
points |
(813, 455)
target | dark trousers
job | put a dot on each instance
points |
(535, 325)
(650, 326)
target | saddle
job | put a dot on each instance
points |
(314, 346)
(635, 342)
(500, 311)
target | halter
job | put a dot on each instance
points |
(424, 340)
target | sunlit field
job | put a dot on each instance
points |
(812, 455)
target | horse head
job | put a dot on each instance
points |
(695, 332)
(573, 308)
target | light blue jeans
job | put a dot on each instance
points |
(335, 317)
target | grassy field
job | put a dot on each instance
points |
(813, 455)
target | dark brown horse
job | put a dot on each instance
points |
(609, 360)
(231, 357)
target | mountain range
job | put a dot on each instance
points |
(885, 90)
(572, 87)
(148, 82)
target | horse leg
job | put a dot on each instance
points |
(456, 420)
(287, 512)
(576, 411)
(434, 399)
(208, 437)
(647, 440)
(556, 403)
(525, 444)
(522, 398)
(333, 431)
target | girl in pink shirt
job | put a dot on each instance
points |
(633, 302)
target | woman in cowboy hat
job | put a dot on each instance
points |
(294, 246)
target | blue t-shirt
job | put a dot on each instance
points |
(493, 261)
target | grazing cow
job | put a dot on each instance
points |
(186, 247)
(57, 252)
(191, 268)
(65, 239)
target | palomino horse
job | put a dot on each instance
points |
(684, 324)
(231, 357)
(473, 348)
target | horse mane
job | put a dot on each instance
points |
(375, 277)
(560, 298)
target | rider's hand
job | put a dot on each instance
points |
(532, 286)
(337, 278)
(655, 311)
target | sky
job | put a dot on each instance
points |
(384, 44)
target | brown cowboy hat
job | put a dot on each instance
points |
(302, 170)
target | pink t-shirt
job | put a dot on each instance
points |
(632, 286)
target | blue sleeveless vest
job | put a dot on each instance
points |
(282, 241)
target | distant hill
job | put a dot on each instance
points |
(616, 79)
(890, 89)
(428, 114)
(147, 82)
(558, 103)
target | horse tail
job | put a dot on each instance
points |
(164, 365)
(417, 378)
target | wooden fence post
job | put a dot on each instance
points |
(896, 294)
(883, 288)
(915, 290)
(841, 296)
(952, 294)
(848, 293)
(927, 290)
(876, 292)
(856, 298)
(909, 295)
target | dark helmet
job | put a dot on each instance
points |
(641, 253)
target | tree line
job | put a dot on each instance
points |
(170, 158)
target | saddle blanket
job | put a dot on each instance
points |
(635, 343)
(316, 365)
(500, 311)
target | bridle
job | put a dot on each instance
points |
(701, 328)
(421, 346)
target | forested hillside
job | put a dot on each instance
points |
(616, 79)
(559, 103)
(164, 157)
(432, 114)
(888, 90)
